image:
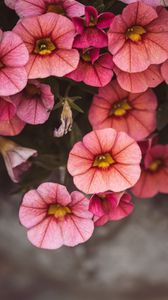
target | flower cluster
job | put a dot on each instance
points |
(67, 40)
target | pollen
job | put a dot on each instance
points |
(58, 211)
(44, 46)
(155, 165)
(103, 161)
(135, 33)
(120, 108)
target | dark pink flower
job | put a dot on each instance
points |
(34, 102)
(90, 29)
(164, 70)
(70, 8)
(55, 218)
(140, 81)
(7, 109)
(115, 108)
(94, 69)
(16, 158)
(110, 206)
(13, 58)
(139, 37)
(49, 40)
(12, 126)
(154, 176)
(105, 160)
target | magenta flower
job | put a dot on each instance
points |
(115, 108)
(13, 57)
(70, 8)
(90, 29)
(10, 3)
(55, 218)
(105, 160)
(137, 35)
(164, 71)
(94, 69)
(16, 158)
(34, 102)
(154, 176)
(49, 40)
(149, 2)
(139, 82)
(110, 206)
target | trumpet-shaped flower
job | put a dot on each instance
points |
(7, 108)
(70, 8)
(10, 3)
(139, 37)
(55, 218)
(110, 206)
(13, 58)
(164, 71)
(105, 160)
(34, 102)
(154, 176)
(16, 158)
(94, 69)
(149, 2)
(90, 28)
(49, 40)
(115, 108)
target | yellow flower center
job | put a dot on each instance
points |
(154, 165)
(120, 108)
(44, 46)
(58, 211)
(135, 33)
(56, 8)
(86, 56)
(103, 161)
(92, 22)
(31, 90)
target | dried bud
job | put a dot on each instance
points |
(16, 158)
(66, 121)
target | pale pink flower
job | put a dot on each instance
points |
(154, 176)
(164, 71)
(11, 126)
(10, 3)
(34, 103)
(149, 2)
(140, 81)
(16, 158)
(70, 8)
(7, 109)
(139, 37)
(116, 108)
(110, 206)
(13, 58)
(49, 40)
(105, 160)
(55, 218)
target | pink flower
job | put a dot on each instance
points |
(164, 70)
(16, 158)
(137, 35)
(105, 160)
(154, 176)
(55, 218)
(110, 206)
(70, 8)
(34, 102)
(140, 81)
(13, 57)
(115, 108)
(11, 126)
(94, 69)
(149, 2)
(90, 29)
(49, 40)
(7, 109)
(10, 3)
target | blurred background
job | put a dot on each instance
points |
(125, 260)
